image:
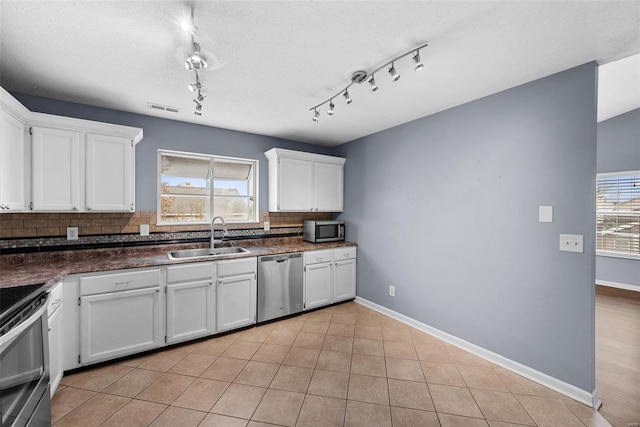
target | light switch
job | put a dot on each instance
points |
(545, 214)
(144, 229)
(572, 243)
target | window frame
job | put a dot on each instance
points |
(212, 157)
(615, 254)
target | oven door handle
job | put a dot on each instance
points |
(9, 337)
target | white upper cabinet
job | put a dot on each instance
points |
(300, 181)
(55, 170)
(66, 164)
(13, 162)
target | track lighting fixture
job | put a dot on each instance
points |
(195, 86)
(195, 61)
(331, 106)
(198, 111)
(392, 72)
(363, 76)
(417, 63)
(316, 116)
(200, 98)
(372, 82)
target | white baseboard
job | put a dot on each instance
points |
(618, 285)
(582, 396)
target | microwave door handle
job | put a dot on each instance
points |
(14, 333)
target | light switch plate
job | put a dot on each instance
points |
(545, 214)
(267, 225)
(144, 229)
(72, 233)
(572, 243)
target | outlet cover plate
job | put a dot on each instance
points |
(572, 243)
(72, 233)
(144, 229)
(267, 225)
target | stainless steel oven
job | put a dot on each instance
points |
(24, 357)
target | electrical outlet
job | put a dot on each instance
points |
(72, 233)
(267, 226)
(572, 243)
(392, 291)
(144, 229)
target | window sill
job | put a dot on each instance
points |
(207, 223)
(618, 255)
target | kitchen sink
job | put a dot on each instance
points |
(205, 252)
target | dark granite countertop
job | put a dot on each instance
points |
(51, 267)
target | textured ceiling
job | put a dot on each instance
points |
(271, 61)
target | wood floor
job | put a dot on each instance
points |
(618, 355)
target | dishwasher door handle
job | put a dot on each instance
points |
(282, 260)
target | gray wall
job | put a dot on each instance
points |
(445, 208)
(619, 150)
(173, 135)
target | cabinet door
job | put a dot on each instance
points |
(13, 157)
(190, 311)
(329, 183)
(55, 349)
(317, 285)
(55, 170)
(344, 280)
(120, 323)
(295, 185)
(109, 172)
(236, 302)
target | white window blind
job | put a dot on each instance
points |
(618, 213)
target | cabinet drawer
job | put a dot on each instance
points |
(55, 298)
(344, 253)
(317, 257)
(110, 282)
(237, 266)
(190, 272)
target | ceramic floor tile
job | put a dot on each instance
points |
(241, 350)
(312, 327)
(500, 406)
(281, 337)
(442, 373)
(400, 350)
(224, 369)
(368, 332)
(329, 384)
(334, 361)
(403, 369)
(341, 329)
(345, 318)
(320, 411)
(292, 378)
(368, 365)
(166, 388)
(279, 407)
(368, 320)
(454, 401)
(420, 337)
(135, 413)
(368, 347)
(271, 353)
(361, 414)
(239, 401)
(482, 378)
(433, 353)
(338, 343)
(461, 357)
(308, 340)
(257, 334)
(213, 347)
(457, 421)
(364, 388)
(521, 385)
(319, 316)
(133, 383)
(100, 378)
(201, 395)
(66, 400)
(410, 394)
(216, 420)
(163, 361)
(396, 334)
(303, 357)
(548, 411)
(258, 374)
(404, 417)
(193, 364)
(94, 411)
(174, 416)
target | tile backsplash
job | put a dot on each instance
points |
(31, 230)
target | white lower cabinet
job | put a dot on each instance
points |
(236, 293)
(329, 276)
(56, 337)
(121, 313)
(190, 301)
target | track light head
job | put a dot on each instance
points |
(197, 103)
(347, 97)
(316, 115)
(195, 61)
(392, 72)
(194, 86)
(417, 64)
(200, 97)
(198, 111)
(331, 106)
(372, 82)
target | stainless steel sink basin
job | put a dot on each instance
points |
(205, 252)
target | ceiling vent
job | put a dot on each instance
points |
(160, 107)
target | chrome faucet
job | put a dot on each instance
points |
(225, 233)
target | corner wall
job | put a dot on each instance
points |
(445, 208)
(619, 150)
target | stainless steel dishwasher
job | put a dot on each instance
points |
(279, 285)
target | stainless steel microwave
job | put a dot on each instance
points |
(322, 231)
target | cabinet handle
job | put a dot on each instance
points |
(131, 207)
(74, 208)
(88, 208)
